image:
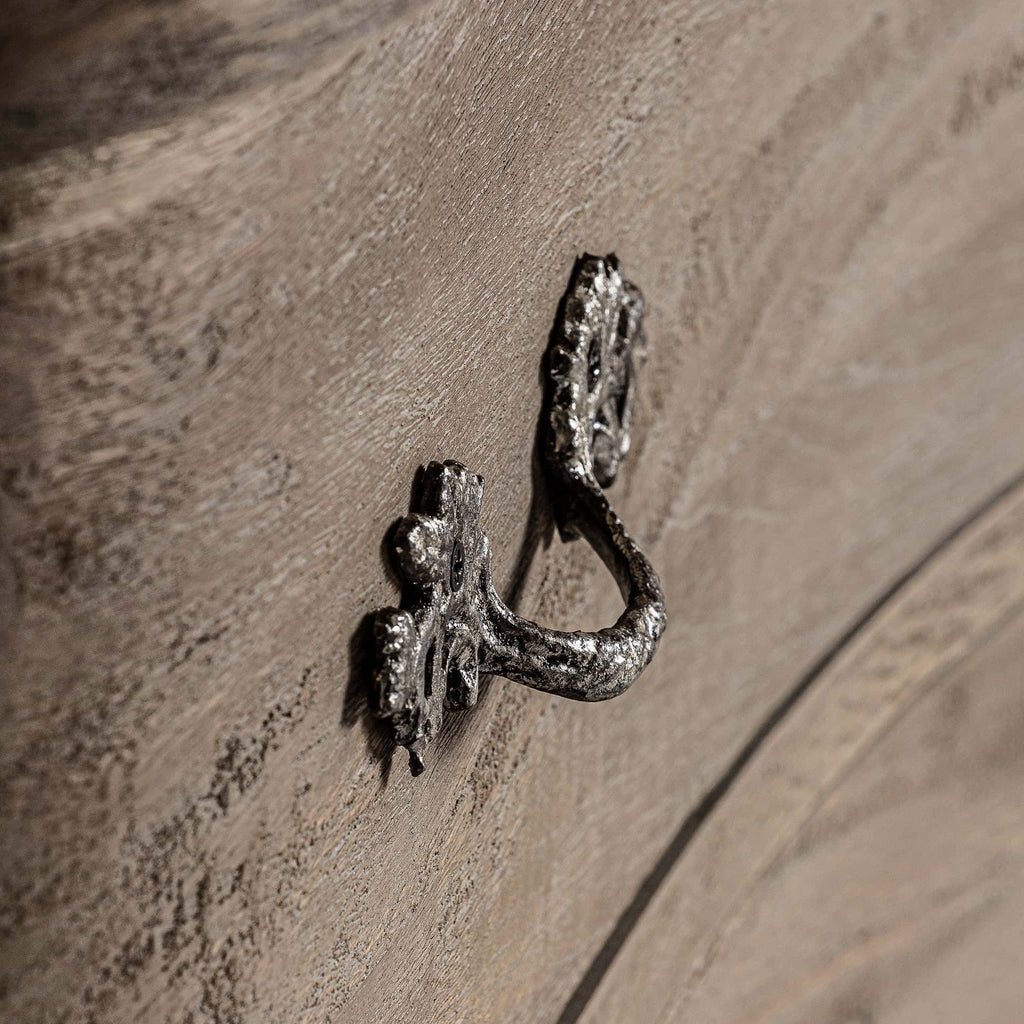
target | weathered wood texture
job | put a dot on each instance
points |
(236, 320)
(869, 864)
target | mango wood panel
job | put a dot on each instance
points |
(869, 863)
(230, 337)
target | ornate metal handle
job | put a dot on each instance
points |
(452, 626)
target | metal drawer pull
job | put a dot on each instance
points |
(452, 626)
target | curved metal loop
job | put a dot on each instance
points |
(452, 625)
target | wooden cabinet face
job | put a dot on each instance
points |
(262, 262)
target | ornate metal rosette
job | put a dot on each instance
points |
(427, 652)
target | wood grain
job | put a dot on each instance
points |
(76, 72)
(232, 330)
(869, 864)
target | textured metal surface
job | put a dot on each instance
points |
(452, 625)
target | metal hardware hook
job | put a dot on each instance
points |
(452, 626)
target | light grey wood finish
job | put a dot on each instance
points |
(869, 864)
(234, 328)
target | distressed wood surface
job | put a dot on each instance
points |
(236, 320)
(869, 863)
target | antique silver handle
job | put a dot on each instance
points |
(452, 625)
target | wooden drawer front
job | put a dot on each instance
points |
(261, 261)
